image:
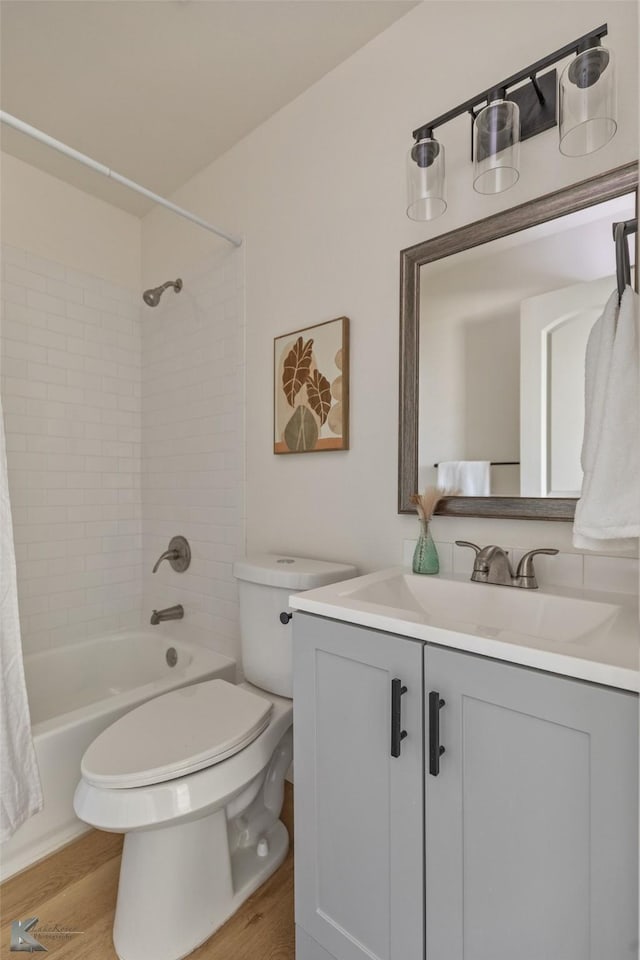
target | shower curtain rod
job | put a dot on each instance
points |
(61, 147)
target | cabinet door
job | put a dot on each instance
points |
(532, 821)
(358, 810)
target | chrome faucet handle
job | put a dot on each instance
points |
(526, 569)
(178, 555)
(467, 543)
(167, 555)
(479, 565)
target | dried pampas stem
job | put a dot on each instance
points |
(427, 503)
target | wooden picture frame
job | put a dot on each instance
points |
(311, 389)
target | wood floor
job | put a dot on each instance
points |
(75, 889)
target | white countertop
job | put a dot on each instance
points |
(609, 655)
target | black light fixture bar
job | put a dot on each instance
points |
(528, 73)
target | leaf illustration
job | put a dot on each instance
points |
(319, 394)
(301, 433)
(296, 368)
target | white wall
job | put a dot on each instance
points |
(52, 219)
(318, 191)
(70, 364)
(193, 447)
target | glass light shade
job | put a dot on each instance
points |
(425, 180)
(587, 103)
(496, 147)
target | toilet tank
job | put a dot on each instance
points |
(265, 582)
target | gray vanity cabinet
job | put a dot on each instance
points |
(359, 835)
(528, 783)
(532, 818)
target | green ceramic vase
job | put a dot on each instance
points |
(425, 556)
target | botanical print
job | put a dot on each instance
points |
(311, 376)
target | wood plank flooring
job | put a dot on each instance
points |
(76, 887)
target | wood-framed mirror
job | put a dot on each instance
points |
(460, 254)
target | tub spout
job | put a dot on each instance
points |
(169, 613)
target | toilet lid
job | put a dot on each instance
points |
(175, 734)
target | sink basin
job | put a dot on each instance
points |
(502, 612)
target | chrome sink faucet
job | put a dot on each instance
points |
(169, 613)
(492, 565)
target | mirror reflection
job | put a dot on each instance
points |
(503, 328)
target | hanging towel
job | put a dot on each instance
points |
(470, 477)
(608, 512)
(20, 791)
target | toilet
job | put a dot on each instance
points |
(195, 778)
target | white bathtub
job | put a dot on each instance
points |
(77, 691)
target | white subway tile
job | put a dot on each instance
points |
(20, 350)
(24, 278)
(48, 268)
(63, 324)
(66, 291)
(616, 574)
(12, 367)
(193, 474)
(47, 338)
(564, 569)
(50, 305)
(62, 358)
(97, 300)
(13, 293)
(44, 373)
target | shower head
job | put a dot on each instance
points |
(152, 297)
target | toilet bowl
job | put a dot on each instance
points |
(195, 779)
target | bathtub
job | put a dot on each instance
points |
(77, 691)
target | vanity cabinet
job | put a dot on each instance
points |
(531, 820)
(519, 839)
(359, 833)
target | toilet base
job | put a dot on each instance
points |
(177, 887)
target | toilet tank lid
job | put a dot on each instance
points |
(291, 573)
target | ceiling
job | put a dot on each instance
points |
(157, 89)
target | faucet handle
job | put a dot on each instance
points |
(479, 564)
(525, 567)
(467, 543)
(178, 555)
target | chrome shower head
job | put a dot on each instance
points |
(152, 297)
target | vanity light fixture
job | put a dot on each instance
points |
(503, 116)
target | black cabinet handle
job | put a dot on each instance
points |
(397, 733)
(435, 750)
(285, 617)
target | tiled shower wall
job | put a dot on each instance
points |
(193, 448)
(71, 350)
(70, 363)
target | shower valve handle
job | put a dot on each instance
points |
(178, 555)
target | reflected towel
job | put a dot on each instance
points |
(20, 791)
(471, 477)
(608, 512)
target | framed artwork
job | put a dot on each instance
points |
(311, 389)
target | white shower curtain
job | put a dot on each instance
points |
(20, 790)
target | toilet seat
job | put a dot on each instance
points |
(175, 734)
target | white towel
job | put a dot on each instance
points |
(20, 791)
(608, 512)
(471, 477)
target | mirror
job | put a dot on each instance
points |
(493, 327)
